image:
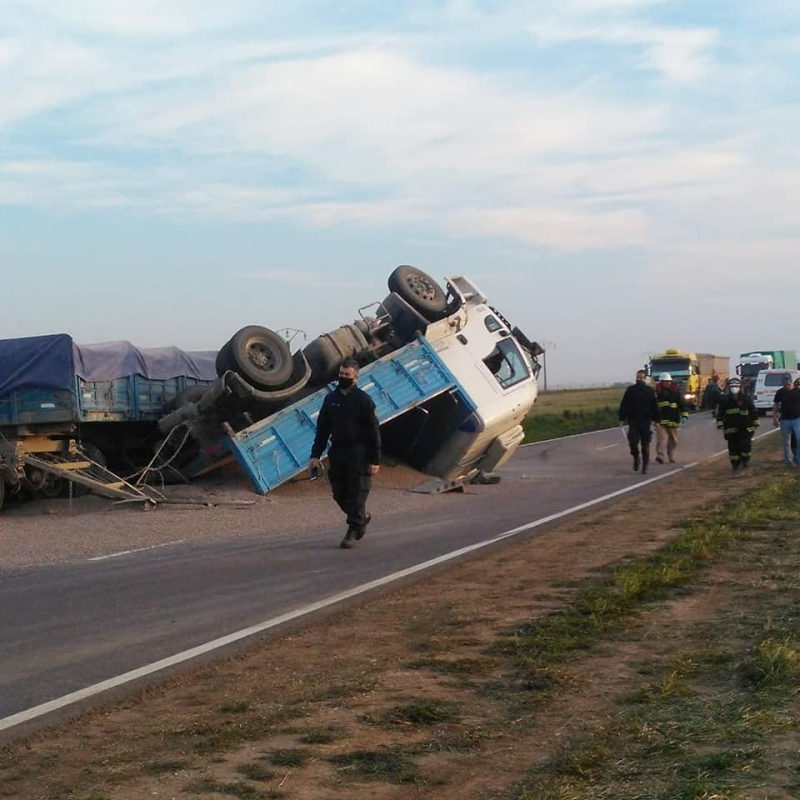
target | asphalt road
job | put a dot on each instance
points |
(65, 629)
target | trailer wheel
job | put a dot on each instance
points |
(259, 355)
(420, 291)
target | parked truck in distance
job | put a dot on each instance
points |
(691, 371)
(755, 361)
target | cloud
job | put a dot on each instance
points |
(144, 18)
(371, 127)
(679, 54)
(313, 279)
(562, 229)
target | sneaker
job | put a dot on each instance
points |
(348, 541)
(660, 459)
(363, 529)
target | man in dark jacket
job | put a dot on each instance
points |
(738, 419)
(786, 415)
(348, 418)
(712, 394)
(639, 409)
(673, 415)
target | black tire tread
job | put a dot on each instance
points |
(402, 282)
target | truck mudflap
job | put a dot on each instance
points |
(276, 449)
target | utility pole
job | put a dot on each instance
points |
(545, 345)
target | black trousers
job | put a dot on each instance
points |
(739, 447)
(640, 434)
(350, 482)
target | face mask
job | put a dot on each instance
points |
(346, 383)
(734, 390)
(640, 380)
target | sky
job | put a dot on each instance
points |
(617, 176)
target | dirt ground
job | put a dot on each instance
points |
(300, 716)
(52, 531)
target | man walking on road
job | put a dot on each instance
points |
(786, 413)
(738, 418)
(348, 418)
(673, 414)
(639, 409)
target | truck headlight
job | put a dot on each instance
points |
(687, 397)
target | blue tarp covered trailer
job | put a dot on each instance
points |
(50, 379)
(276, 449)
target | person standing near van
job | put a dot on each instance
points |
(738, 419)
(673, 414)
(349, 419)
(639, 409)
(786, 414)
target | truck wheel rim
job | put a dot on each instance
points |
(421, 287)
(261, 356)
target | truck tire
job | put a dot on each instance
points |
(259, 355)
(420, 291)
(224, 361)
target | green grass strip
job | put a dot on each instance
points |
(723, 719)
(539, 427)
(606, 603)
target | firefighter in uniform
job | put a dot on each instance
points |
(673, 415)
(639, 410)
(738, 419)
(348, 418)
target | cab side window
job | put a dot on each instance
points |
(507, 365)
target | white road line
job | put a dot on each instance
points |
(137, 550)
(231, 638)
(607, 447)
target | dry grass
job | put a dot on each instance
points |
(556, 402)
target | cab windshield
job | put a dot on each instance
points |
(752, 370)
(506, 363)
(675, 366)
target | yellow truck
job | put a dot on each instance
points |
(691, 371)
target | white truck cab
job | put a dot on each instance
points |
(497, 371)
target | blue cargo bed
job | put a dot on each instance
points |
(276, 449)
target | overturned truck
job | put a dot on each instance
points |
(451, 380)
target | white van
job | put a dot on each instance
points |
(767, 383)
